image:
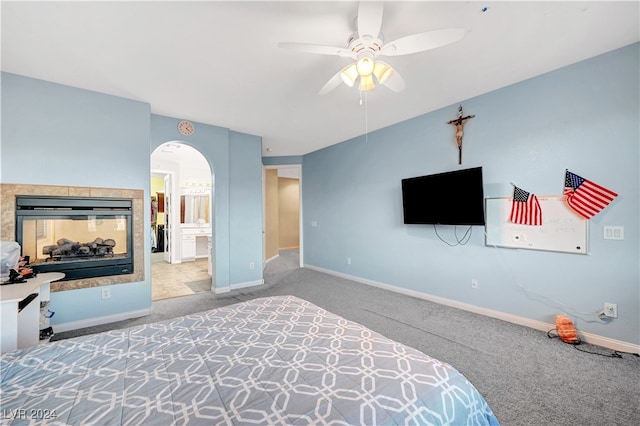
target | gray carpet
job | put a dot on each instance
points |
(526, 377)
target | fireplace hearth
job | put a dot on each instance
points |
(83, 237)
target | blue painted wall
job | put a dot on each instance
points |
(281, 161)
(213, 144)
(59, 135)
(237, 179)
(52, 133)
(583, 117)
(245, 208)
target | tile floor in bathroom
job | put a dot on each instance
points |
(174, 280)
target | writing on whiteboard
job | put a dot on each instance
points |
(562, 229)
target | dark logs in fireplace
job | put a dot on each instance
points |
(66, 249)
(81, 236)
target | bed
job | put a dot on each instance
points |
(274, 360)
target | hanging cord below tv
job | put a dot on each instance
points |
(459, 241)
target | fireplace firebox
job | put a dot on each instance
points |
(83, 237)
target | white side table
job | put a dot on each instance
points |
(22, 329)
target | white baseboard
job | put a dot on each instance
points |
(617, 345)
(246, 284)
(91, 322)
(238, 286)
(271, 258)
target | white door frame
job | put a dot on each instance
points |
(169, 228)
(298, 168)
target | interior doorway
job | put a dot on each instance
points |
(282, 218)
(182, 222)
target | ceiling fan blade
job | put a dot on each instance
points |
(369, 19)
(395, 82)
(316, 48)
(332, 83)
(422, 41)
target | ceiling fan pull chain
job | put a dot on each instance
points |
(366, 115)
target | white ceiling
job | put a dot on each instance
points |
(218, 62)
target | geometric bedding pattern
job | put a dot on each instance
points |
(276, 360)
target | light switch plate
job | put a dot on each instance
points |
(613, 232)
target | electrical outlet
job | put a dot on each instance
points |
(611, 310)
(348, 261)
(252, 265)
(474, 283)
(106, 292)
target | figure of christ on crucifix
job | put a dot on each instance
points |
(459, 122)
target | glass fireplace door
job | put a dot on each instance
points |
(81, 237)
(62, 239)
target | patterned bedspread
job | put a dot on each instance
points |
(277, 360)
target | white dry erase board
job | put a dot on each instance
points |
(562, 229)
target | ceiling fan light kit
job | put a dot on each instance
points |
(367, 43)
(365, 70)
(365, 65)
(382, 71)
(366, 83)
(349, 75)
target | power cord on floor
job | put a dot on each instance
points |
(576, 345)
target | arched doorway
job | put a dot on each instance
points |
(182, 221)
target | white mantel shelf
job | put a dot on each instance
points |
(17, 292)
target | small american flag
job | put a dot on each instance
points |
(525, 208)
(585, 197)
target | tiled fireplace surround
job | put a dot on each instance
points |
(8, 193)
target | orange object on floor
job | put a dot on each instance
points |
(566, 331)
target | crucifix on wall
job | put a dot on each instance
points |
(459, 122)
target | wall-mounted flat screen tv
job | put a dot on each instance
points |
(450, 198)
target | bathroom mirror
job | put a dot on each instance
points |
(195, 208)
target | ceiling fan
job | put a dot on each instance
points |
(366, 44)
